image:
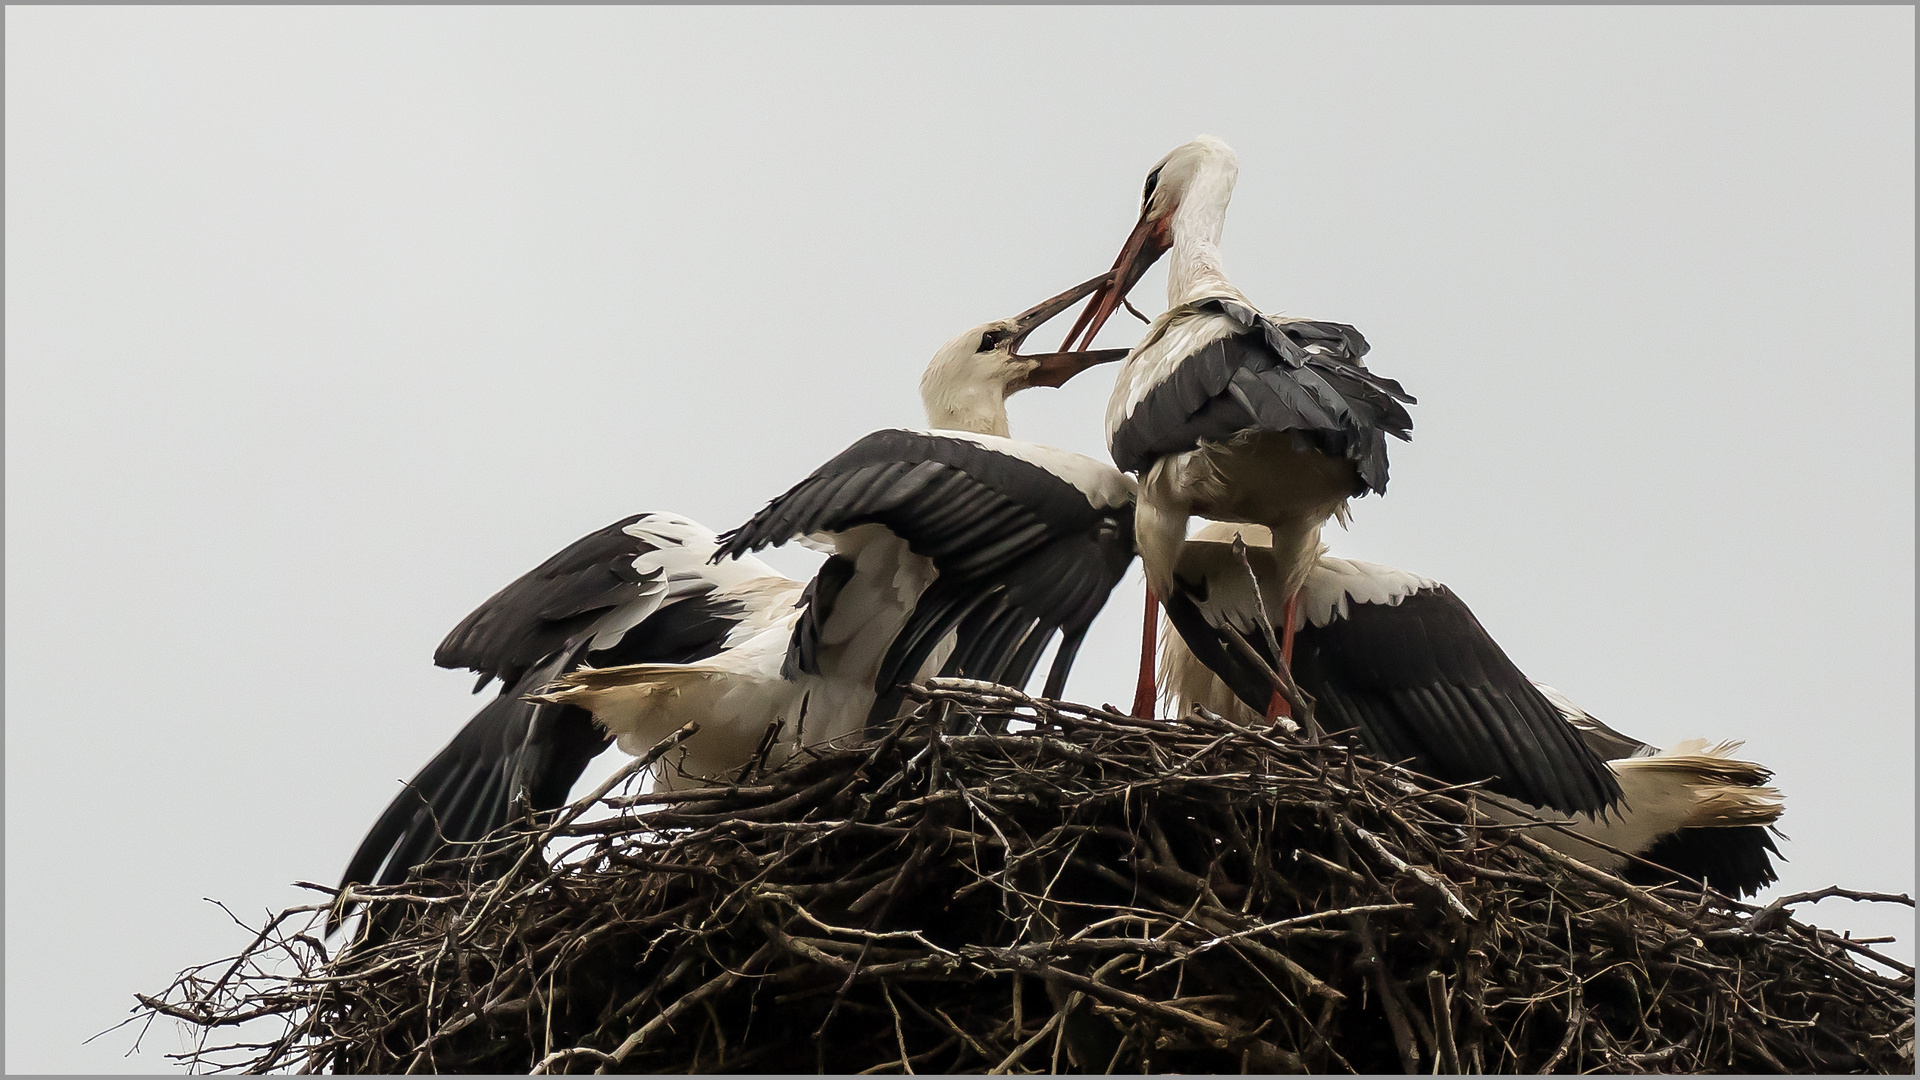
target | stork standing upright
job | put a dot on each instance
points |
(1400, 659)
(1237, 416)
(1227, 413)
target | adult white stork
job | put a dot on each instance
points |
(1225, 412)
(648, 623)
(1399, 659)
(954, 549)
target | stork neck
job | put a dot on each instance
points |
(981, 410)
(1194, 267)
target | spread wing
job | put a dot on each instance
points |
(1422, 679)
(1027, 542)
(641, 590)
(1416, 677)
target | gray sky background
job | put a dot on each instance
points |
(324, 324)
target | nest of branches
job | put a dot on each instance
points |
(1090, 892)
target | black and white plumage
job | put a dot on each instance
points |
(1393, 656)
(1401, 661)
(643, 589)
(1016, 542)
(1261, 374)
(955, 549)
(635, 629)
(1692, 807)
(1227, 413)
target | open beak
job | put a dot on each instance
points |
(1148, 241)
(1056, 368)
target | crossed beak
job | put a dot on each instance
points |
(1148, 241)
(1055, 368)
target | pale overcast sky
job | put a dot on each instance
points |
(325, 323)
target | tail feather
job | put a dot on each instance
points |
(1708, 764)
(1732, 807)
(639, 704)
(586, 684)
(1725, 791)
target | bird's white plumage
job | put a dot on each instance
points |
(1337, 583)
(1689, 785)
(739, 693)
(680, 564)
(874, 604)
(965, 387)
(1198, 178)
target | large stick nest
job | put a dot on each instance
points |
(1091, 892)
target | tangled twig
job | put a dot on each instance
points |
(1088, 890)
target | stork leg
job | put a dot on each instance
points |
(1279, 706)
(1145, 692)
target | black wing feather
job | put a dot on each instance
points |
(524, 623)
(1420, 680)
(1021, 553)
(511, 744)
(1423, 679)
(1277, 375)
(1733, 860)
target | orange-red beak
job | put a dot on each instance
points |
(1056, 368)
(1148, 241)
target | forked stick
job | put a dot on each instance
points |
(1280, 672)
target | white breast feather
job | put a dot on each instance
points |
(873, 605)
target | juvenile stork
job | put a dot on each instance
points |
(954, 549)
(644, 588)
(653, 621)
(1399, 659)
(1225, 412)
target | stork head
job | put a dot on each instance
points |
(1186, 191)
(966, 384)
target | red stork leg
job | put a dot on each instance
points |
(1145, 692)
(1279, 706)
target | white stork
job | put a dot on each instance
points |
(1399, 659)
(955, 549)
(1227, 413)
(653, 620)
(644, 588)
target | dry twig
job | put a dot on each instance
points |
(1097, 890)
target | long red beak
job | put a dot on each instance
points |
(1148, 241)
(1057, 367)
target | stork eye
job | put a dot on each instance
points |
(1153, 181)
(991, 340)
